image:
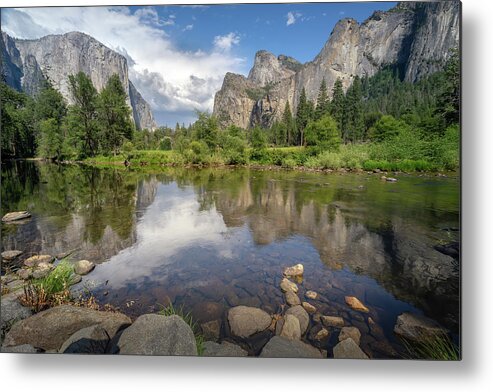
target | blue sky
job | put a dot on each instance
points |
(178, 55)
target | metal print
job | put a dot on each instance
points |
(265, 180)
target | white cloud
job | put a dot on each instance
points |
(188, 27)
(172, 80)
(224, 43)
(292, 17)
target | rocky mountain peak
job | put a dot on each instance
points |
(267, 68)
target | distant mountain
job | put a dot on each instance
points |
(27, 63)
(416, 37)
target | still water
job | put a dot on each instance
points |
(211, 239)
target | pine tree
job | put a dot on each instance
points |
(337, 104)
(323, 102)
(304, 113)
(288, 124)
(354, 119)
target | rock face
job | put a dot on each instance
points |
(48, 330)
(244, 321)
(153, 334)
(416, 327)
(54, 57)
(279, 347)
(414, 36)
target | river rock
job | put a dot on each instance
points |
(287, 285)
(416, 327)
(153, 334)
(42, 270)
(309, 307)
(34, 261)
(391, 179)
(90, 340)
(244, 321)
(291, 328)
(279, 347)
(301, 315)
(321, 335)
(355, 304)
(291, 298)
(23, 348)
(348, 349)
(11, 311)
(332, 321)
(49, 329)
(15, 216)
(311, 294)
(211, 329)
(350, 332)
(225, 349)
(83, 267)
(208, 311)
(10, 255)
(295, 270)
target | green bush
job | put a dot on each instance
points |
(288, 163)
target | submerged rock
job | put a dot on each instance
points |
(279, 347)
(355, 304)
(416, 327)
(301, 315)
(153, 334)
(296, 270)
(83, 267)
(332, 321)
(211, 329)
(287, 285)
(90, 340)
(49, 329)
(350, 332)
(15, 216)
(291, 298)
(348, 349)
(311, 294)
(10, 255)
(309, 307)
(225, 349)
(244, 321)
(291, 328)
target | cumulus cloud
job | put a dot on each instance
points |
(171, 79)
(224, 43)
(291, 17)
(188, 27)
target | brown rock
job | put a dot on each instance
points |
(244, 321)
(311, 294)
(287, 285)
(348, 349)
(291, 298)
(350, 332)
(332, 321)
(211, 329)
(10, 255)
(295, 270)
(33, 261)
(83, 267)
(355, 304)
(309, 307)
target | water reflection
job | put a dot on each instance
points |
(212, 239)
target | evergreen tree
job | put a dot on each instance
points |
(448, 103)
(288, 124)
(337, 104)
(114, 116)
(82, 116)
(304, 113)
(322, 108)
(354, 123)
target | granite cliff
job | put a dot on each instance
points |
(416, 37)
(27, 63)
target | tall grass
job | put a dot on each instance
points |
(439, 348)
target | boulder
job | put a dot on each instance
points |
(301, 315)
(309, 307)
(291, 328)
(348, 349)
(211, 329)
(15, 216)
(25, 273)
(83, 267)
(49, 329)
(90, 340)
(291, 298)
(42, 270)
(23, 348)
(350, 332)
(153, 334)
(225, 349)
(332, 321)
(11, 311)
(355, 304)
(244, 321)
(321, 335)
(34, 261)
(295, 270)
(416, 327)
(10, 255)
(279, 347)
(287, 285)
(311, 294)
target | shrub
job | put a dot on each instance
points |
(323, 134)
(329, 160)
(288, 163)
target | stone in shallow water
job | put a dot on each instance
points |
(332, 321)
(90, 340)
(350, 332)
(348, 349)
(291, 328)
(10, 255)
(211, 329)
(291, 298)
(153, 334)
(225, 349)
(244, 321)
(279, 347)
(311, 294)
(416, 327)
(355, 304)
(33, 261)
(302, 316)
(295, 270)
(287, 285)
(83, 267)
(309, 307)
(15, 216)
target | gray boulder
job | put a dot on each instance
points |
(301, 315)
(49, 329)
(225, 349)
(416, 327)
(348, 349)
(153, 334)
(83, 267)
(11, 311)
(279, 347)
(23, 348)
(291, 328)
(244, 321)
(90, 340)
(350, 332)
(291, 298)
